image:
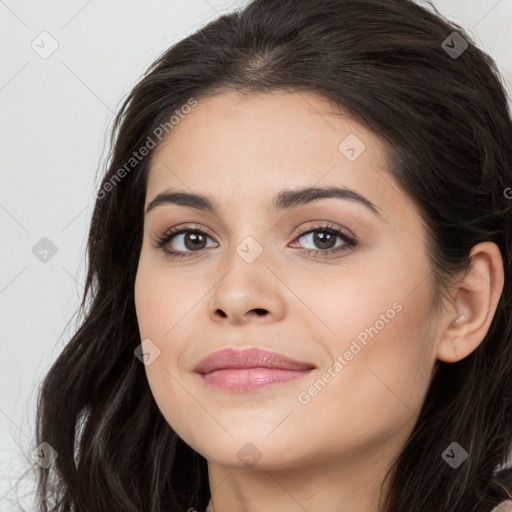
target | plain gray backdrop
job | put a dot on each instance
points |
(66, 66)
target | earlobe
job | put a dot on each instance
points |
(476, 299)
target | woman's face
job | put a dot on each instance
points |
(362, 315)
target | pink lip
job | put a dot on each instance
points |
(249, 369)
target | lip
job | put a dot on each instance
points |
(229, 358)
(250, 369)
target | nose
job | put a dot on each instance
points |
(247, 292)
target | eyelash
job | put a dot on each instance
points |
(165, 238)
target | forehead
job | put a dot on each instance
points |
(244, 148)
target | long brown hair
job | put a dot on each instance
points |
(441, 109)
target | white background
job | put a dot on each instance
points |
(55, 116)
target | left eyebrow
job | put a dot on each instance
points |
(285, 199)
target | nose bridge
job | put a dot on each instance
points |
(246, 284)
(248, 238)
(246, 260)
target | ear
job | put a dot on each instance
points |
(475, 301)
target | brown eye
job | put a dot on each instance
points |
(183, 240)
(324, 238)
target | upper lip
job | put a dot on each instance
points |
(249, 358)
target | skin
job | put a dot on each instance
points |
(331, 453)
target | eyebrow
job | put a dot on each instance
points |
(284, 200)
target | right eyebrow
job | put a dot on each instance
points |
(285, 199)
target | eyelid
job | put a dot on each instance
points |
(349, 240)
(324, 224)
(179, 229)
(299, 232)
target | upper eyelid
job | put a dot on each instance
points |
(349, 242)
(326, 226)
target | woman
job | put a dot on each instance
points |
(300, 281)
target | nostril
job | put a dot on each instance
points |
(260, 311)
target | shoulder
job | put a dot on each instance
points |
(502, 490)
(504, 479)
(504, 506)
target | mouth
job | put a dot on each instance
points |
(250, 379)
(250, 369)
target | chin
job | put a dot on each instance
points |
(247, 452)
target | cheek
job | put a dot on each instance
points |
(383, 344)
(163, 308)
(386, 363)
(162, 300)
(372, 398)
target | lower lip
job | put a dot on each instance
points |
(249, 379)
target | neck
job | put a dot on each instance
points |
(347, 487)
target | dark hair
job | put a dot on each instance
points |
(447, 127)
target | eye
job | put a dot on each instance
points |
(325, 237)
(186, 241)
(183, 240)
